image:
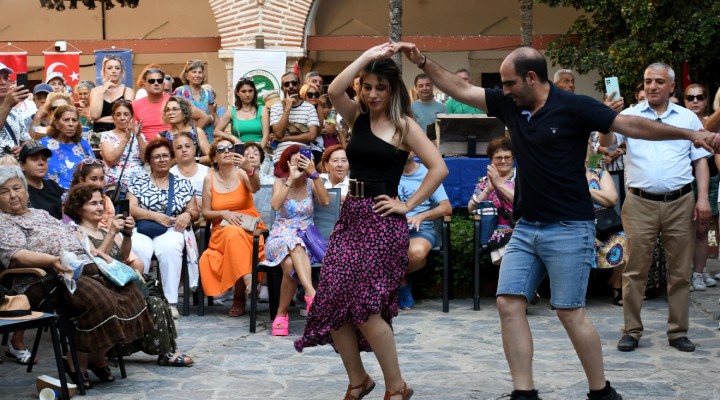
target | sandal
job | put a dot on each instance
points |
(367, 386)
(236, 310)
(103, 373)
(174, 360)
(405, 392)
(281, 326)
(22, 356)
(308, 303)
(617, 296)
(85, 376)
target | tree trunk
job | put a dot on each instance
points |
(526, 22)
(396, 27)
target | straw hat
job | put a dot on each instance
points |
(17, 308)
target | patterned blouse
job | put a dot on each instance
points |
(134, 165)
(496, 198)
(155, 199)
(64, 159)
(206, 98)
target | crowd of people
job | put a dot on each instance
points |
(179, 162)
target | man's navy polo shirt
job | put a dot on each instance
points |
(550, 151)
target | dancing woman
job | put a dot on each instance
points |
(367, 253)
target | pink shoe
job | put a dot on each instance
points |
(281, 326)
(308, 303)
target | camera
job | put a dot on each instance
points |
(61, 45)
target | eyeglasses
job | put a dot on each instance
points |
(290, 83)
(503, 158)
(224, 149)
(313, 95)
(154, 81)
(168, 110)
(158, 157)
(89, 161)
(168, 78)
(693, 97)
(246, 80)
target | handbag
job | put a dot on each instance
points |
(114, 192)
(315, 242)
(116, 272)
(246, 222)
(152, 229)
(607, 222)
(488, 220)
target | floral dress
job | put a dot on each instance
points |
(608, 253)
(66, 156)
(206, 98)
(134, 167)
(294, 215)
(503, 231)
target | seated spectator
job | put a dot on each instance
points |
(82, 89)
(85, 207)
(94, 174)
(44, 194)
(44, 116)
(420, 223)
(608, 253)
(187, 166)
(67, 145)
(227, 196)
(335, 164)
(121, 147)
(498, 187)
(106, 314)
(148, 197)
(296, 184)
(178, 114)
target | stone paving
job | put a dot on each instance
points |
(452, 356)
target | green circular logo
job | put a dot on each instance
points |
(264, 82)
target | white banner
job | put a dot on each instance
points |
(266, 67)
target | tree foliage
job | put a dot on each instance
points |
(621, 38)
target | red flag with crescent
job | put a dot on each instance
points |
(16, 61)
(65, 64)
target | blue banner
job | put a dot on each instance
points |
(126, 58)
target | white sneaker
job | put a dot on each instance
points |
(174, 311)
(709, 281)
(698, 283)
(263, 297)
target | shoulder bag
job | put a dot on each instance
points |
(315, 242)
(153, 229)
(607, 222)
(114, 191)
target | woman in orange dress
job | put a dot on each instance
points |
(227, 196)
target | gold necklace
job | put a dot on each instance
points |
(224, 181)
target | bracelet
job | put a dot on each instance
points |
(125, 234)
(422, 64)
(314, 175)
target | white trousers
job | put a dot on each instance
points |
(168, 249)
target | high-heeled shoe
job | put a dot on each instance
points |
(367, 386)
(405, 392)
(103, 373)
(85, 376)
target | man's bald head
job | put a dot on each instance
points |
(526, 59)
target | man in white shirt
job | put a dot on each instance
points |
(292, 121)
(660, 200)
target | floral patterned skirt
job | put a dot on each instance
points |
(366, 258)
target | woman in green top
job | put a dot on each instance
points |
(249, 122)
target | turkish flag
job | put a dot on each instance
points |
(16, 61)
(67, 64)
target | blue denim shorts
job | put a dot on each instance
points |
(427, 234)
(563, 250)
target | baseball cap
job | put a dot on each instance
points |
(54, 75)
(33, 147)
(42, 87)
(4, 67)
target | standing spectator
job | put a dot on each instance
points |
(13, 131)
(660, 201)
(40, 94)
(178, 114)
(564, 79)
(455, 107)
(102, 97)
(57, 81)
(311, 94)
(149, 109)
(420, 223)
(426, 107)
(43, 117)
(292, 121)
(193, 78)
(121, 147)
(82, 89)
(248, 121)
(69, 148)
(44, 194)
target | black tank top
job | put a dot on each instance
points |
(371, 158)
(107, 112)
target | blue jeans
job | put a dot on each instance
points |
(563, 250)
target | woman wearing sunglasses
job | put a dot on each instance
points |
(168, 217)
(248, 121)
(67, 145)
(102, 97)
(227, 197)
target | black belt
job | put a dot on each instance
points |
(664, 197)
(371, 189)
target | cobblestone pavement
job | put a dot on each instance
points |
(450, 356)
